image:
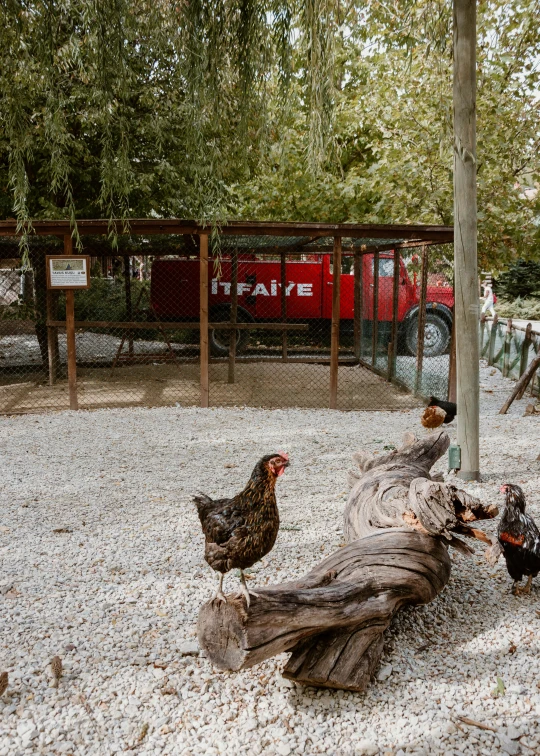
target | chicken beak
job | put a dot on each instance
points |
(284, 463)
(281, 469)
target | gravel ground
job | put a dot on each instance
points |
(24, 350)
(116, 590)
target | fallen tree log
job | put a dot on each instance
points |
(398, 521)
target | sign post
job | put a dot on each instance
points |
(69, 272)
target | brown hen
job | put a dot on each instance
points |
(433, 417)
(241, 530)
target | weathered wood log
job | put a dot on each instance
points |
(360, 585)
(398, 522)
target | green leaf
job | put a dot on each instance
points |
(499, 690)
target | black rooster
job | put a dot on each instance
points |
(449, 407)
(241, 530)
(519, 539)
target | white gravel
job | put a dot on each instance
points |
(24, 349)
(117, 596)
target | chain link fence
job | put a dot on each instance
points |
(271, 305)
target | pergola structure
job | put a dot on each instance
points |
(270, 238)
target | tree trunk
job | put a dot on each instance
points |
(397, 522)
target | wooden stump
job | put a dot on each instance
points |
(398, 521)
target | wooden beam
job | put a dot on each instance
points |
(421, 321)
(234, 315)
(176, 325)
(465, 239)
(70, 335)
(375, 321)
(492, 339)
(203, 319)
(414, 232)
(524, 355)
(521, 385)
(392, 347)
(358, 304)
(506, 349)
(129, 303)
(102, 250)
(334, 343)
(283, 293)
(452, 387)
(52, 336)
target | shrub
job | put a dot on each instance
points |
(520, 280)
(521, 309)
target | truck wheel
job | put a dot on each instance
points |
(436, 335)
(219, 339)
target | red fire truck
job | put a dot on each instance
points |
(175, 296)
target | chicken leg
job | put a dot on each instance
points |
(518, 591)
(244, 589)
(219, 595)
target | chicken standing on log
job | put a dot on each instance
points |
(519, 539)
(438, 412)
(397, 523)
(241, 530)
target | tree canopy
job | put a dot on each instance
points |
(267, 109)
(394, 136)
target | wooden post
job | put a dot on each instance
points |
(534, 380)
(524, 357)
(129, 304)
(452, 387)
(334, 344)
(284, 344)
(70, 335)
(506, 349)
(203, 318)
(358, 305)
(421, 320)
(234, 314)
(392, 347)
(492, 339)
(52, 336)
(375, 321)
(482, 331)
(522, 384)
(465, 239)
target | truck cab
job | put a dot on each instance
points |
(439, 303)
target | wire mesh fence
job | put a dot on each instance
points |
(510, 349)
(272, 311)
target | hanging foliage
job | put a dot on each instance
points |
(120, 108)
(289, 109)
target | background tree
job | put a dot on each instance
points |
(312, 110)
(393, 129)
(133, 107)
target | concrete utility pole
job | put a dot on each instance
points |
(466, 310)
